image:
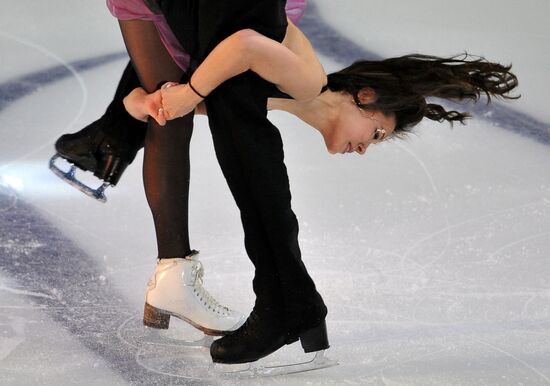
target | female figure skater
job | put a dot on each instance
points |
(352, 109)
(374, 98)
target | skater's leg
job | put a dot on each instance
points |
(237, 119)
(249, 150)
(166, 159)
(175, 287)
(287, 303)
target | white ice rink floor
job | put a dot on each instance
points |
(432, 253)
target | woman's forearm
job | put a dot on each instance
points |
(292, 66)
(248, 50)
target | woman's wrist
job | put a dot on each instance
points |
(191, 96)
(198, 93)
(201, 95)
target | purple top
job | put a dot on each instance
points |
(138, 10)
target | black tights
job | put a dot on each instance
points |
(165, 167)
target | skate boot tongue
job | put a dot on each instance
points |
(195, 280)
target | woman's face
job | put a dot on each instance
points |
(356, 129)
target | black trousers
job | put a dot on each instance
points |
(121, 130)
(250, 153)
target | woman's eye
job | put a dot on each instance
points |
(379, 135)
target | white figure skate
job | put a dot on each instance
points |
(175, 289)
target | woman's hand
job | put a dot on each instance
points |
(141, 105)
(178, 100)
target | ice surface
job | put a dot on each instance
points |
(431, 253)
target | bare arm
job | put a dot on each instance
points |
(292, 66)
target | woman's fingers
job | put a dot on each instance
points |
(157, 113)
(160, 117)
(155, 108)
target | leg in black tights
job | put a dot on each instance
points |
(166, 159)
(175, 288)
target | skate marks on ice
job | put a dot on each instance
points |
(74, 291)
(477, 288)
(58, 280)
(180, 351)
(12, 333)
(13, 90)
(23, 86)
(183, 352)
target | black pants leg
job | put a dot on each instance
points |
(117, 124)
(250, 153)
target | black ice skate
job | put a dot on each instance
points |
(260, 337)
(91, 150)
(105, 147)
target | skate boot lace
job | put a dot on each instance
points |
(204, 296)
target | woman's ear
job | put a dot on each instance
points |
(366, 95)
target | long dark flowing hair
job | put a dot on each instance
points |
(402, 85)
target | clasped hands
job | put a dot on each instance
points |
(171, 101)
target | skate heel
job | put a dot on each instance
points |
(110, 169)
(155, 318)
(315, 339)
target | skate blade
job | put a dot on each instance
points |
(319, 361)
(252, 370)
(69, 177)
(161, 337)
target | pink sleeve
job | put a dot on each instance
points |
(131, 10)
(295, 9)
(138, 10)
